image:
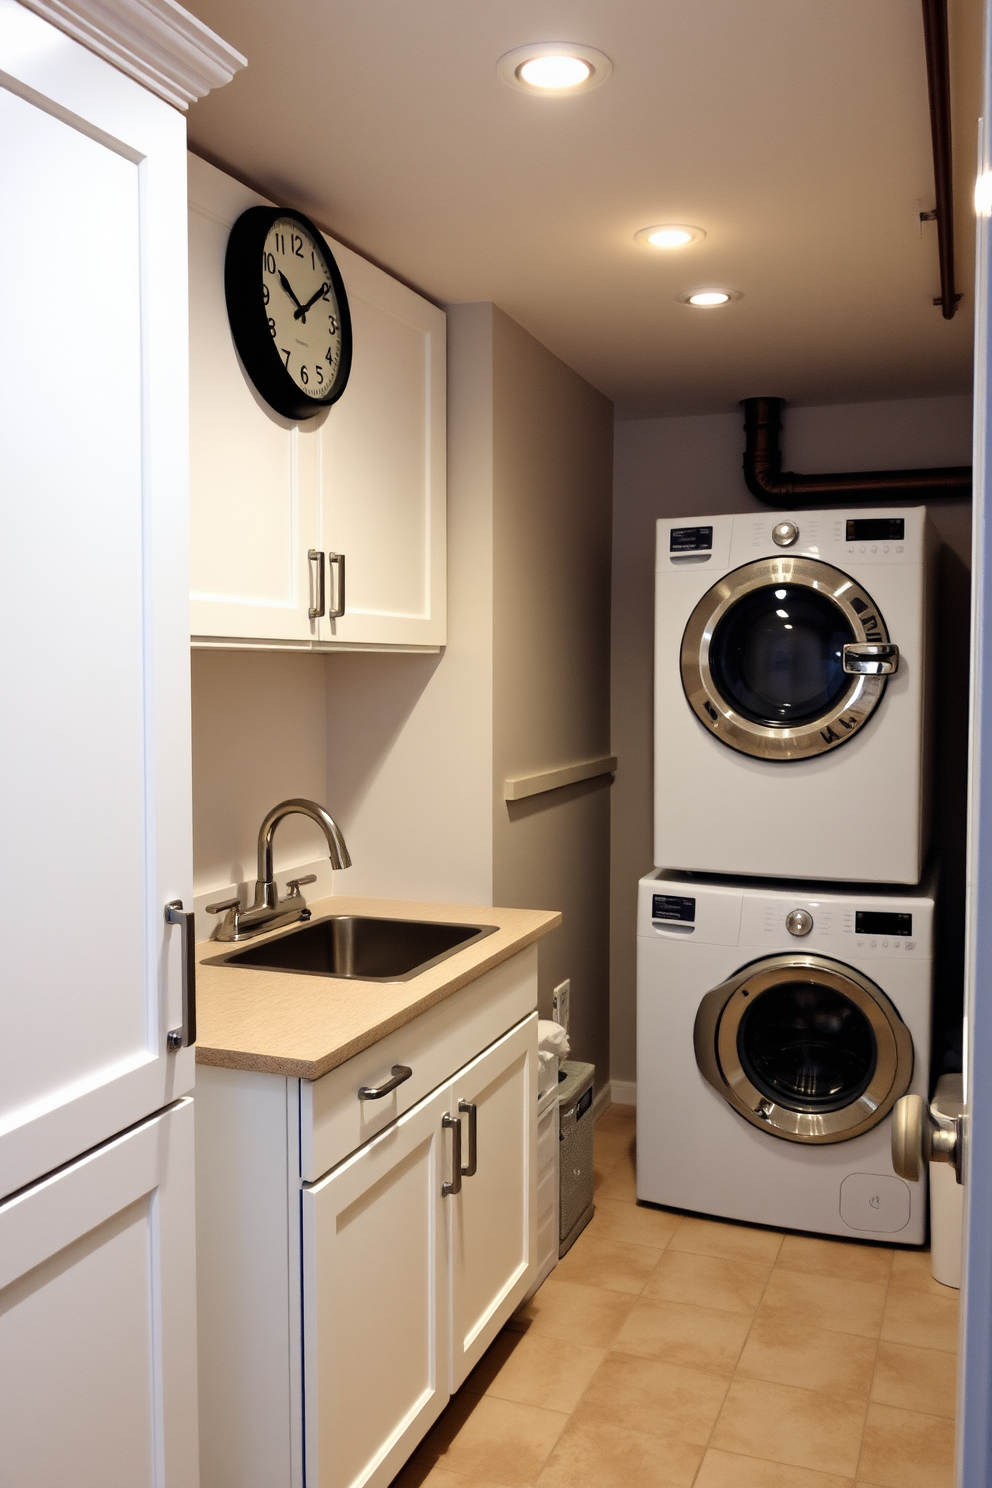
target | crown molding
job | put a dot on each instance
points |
(156, 42)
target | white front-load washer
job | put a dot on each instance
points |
(791, 694)
(775, 1032)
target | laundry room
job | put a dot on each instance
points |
(528, 698)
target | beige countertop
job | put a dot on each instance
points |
(289, 1024)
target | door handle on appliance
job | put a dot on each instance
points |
(470, 1168)
(336, 610)
(874, 660)
(917, 1139)
(454, 1125)
(398, 1074)
(315, 556)
(182, 1037)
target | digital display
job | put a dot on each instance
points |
(671, 907)
(877, 922)
(876, 529)
(691, 540)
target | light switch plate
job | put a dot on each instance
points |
(560, 999)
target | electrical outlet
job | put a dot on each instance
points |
(560, 999)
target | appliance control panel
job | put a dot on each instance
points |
(836, 927)
(838, 537)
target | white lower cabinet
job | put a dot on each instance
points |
(336, 1316)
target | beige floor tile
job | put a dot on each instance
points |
(537, 1370)
(699, 1337)
(919, 1317)
(838, 1364)
(785, 1424)
(808, 1302)
(665, 1400)
(903, 1449)
(620, 1184)
(637, 1224)
(915, 1379)
(728, 1470)
(579, 1314)
(499, 1440)
(617, 1118)
(708, 1281)
(596, 1260)
(911, 1268)
(609, 1147)
(721, 1238)
(843, 1258)
(609, 1457)
(420, 1475)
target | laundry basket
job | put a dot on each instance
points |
(575, 1126)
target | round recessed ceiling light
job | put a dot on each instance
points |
(555, 67)
(669, 235)
(707, 296)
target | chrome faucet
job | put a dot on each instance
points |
(268, 911)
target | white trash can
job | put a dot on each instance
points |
(946, 1193)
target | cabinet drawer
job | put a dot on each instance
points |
(334, 1121)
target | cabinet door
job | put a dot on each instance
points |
(493, 1220)
(97, 1332)
(382, 467)
(375, 1303)
(252, 473)
(94, 749)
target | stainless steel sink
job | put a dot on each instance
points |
(358, 946)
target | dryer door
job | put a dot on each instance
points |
(804, 1047)
(786, 658)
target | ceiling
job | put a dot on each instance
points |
(795, 133)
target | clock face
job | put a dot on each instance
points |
(302, 310)
(288, 311)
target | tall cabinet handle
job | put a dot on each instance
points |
(469, 1170)
(454, 1125)
(336, 561)
(181, 1038)
(317, 598)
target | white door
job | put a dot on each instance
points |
(97, 1334)
(252, 472)
(375, 1302)
(382, 469)
(493, 1220)
(94, 749)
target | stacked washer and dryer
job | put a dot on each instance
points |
(785, 944)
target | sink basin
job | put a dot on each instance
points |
(359, 946)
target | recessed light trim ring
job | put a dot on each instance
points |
(510, 67)
(722, 295)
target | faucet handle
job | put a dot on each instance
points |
(294, 885)
(224, 904)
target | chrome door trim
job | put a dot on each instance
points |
(715, 1041)
(763, 741)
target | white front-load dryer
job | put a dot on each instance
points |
(791, 694)
(775, 1032)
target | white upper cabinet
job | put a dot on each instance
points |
(271, 500)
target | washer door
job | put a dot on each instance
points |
(786, 658)
(804, 1047)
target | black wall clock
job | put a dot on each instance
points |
(288, 311)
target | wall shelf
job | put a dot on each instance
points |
(548, 780)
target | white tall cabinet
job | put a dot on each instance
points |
(272, 500)
(97, 1329)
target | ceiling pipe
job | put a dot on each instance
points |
(939, 89)
(774, 486)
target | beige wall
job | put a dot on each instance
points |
(692, 466)
(552, 457)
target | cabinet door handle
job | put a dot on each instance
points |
(182, 1037)
(454, 1125)
(316, 560)
(336, 561)
(398, 1074)
(470, 1168)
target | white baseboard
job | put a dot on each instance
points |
(602, 1102)
(623, 1092)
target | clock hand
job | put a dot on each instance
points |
(301, 313)
(288, 288)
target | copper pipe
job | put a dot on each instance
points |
(939, 89)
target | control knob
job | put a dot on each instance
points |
(799, 922)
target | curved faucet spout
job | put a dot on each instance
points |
(337, 849)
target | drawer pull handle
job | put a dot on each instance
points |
(470, 1168)
(454, 1125)
(398, 1073)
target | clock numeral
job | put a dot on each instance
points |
(320, 372)
(296, 244)
(268, 263)
(304, 377)
(329, 355)
(333, 326)
(272, 328)
(280, 242)
(285, 353)
(265, 294)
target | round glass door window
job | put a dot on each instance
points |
(785, 658)
(804, 1047)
